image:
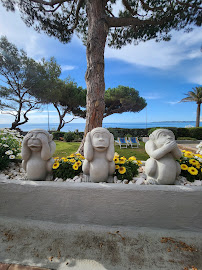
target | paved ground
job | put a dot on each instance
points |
(188, 147)
(5, 266)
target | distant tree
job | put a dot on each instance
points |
(65, 95)
(95, 22)
(195, 96)
(19, 75)
(123, 99)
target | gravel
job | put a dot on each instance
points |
(16, 172)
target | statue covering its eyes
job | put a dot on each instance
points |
(37, 150)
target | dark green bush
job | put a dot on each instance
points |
(69, 136)
(134, 132)
(196, 133)
(57, 135)
(183, 132)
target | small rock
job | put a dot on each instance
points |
(115, 179)
(75, 177)
(125, 181)
(140, 181)
(78, 180)
(197, 183)
(119, 182)
(130, 182)
(22, 170)
(133, 181)
(143, 175)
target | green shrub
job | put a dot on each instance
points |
(134, 132)
(196, 133)
(69, 136)
(10, 146)
(57, 135)
(183, 132)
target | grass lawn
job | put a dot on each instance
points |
(66, 148)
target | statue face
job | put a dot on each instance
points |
(34, 143)
(163, 138)
(100, 141)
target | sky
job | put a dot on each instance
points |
(162, 72)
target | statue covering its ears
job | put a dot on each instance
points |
(98, 165)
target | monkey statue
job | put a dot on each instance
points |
(37, 150)
(162, 168)
(98, 165)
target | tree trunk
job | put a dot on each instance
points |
(97, 33)
(198, 114)
(60, 123)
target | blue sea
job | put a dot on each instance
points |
(81, 126)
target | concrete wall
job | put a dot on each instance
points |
(168, 207)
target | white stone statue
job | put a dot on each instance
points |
(98, 165)
(162, 168)
(37, 150)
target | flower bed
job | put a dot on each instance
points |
(10, 146)
(191, 166)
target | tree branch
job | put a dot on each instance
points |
(187, 4)
(50, 3)
(77, 14)
(120, 22)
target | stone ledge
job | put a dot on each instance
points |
(167, 207)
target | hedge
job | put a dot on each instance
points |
(133, 132)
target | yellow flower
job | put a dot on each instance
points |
(184, 167)
(82, 157)
(78, 163)
(188, 154)
(72, 160)
(122, 170)
(75, 167)
(132, 158)
(198, 155)
(64, 159)
(117, 167)
(56, 165)
(56, 158)
(184, 151)
(116, 154)
(192, 171)
(139, 162)
(122, 160)
(78, 154)
(116, 160)
(194, 162)
(72, 155)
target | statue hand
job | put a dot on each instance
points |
(170, 145)
(43, 138)
(26, 138)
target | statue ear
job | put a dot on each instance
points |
(110, 150)
(88, 148)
